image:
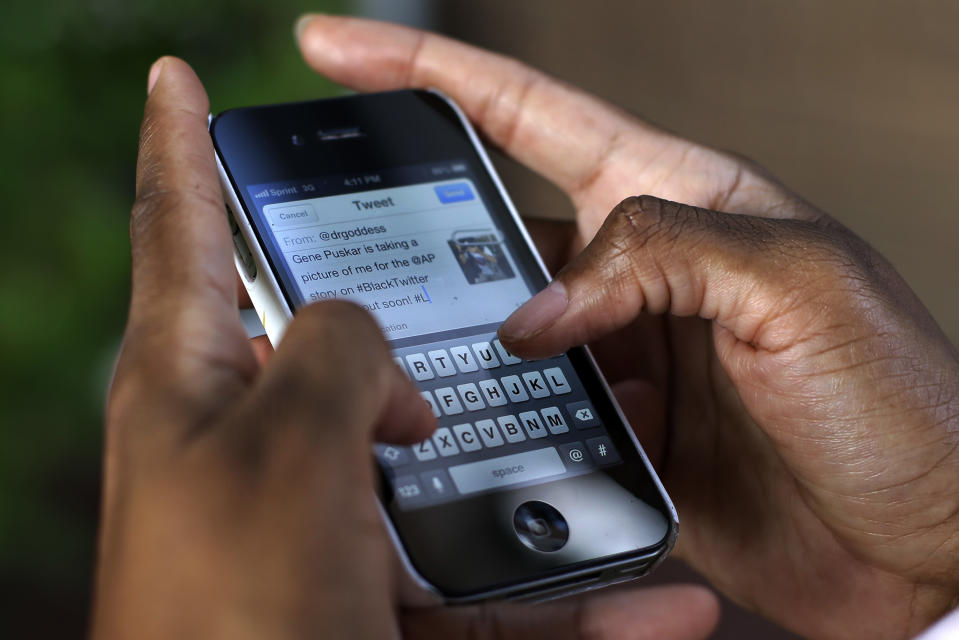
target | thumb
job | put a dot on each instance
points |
(743, 272)
(333, 374)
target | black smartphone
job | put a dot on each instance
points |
(533, 485)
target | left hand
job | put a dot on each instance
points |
(239, 497)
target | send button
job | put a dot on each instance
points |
(458, 192)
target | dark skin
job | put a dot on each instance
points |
(238, 486)
(801, 403)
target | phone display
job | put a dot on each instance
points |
(532, 483)
(415, 254)
(428, 260)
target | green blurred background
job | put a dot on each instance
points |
(74, 82)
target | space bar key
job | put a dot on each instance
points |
(507, 470)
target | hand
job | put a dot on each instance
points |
(801, 403)
(238, 491)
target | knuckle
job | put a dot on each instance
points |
(143, 212)
(633, 222)
(153, 201)
(643, 251)
(639, 221)
(836, 265)
(502, 109)
(746, 164)
(832, 252)
(149, 207)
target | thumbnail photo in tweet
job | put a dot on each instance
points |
(480, 256)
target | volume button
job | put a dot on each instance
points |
(242, 250)
(234, 228)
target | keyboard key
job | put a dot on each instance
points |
(419, 366)
(424, 451)
(471, 396)
(492, 392)
(582, 414)
(484, 353)
(557, 381)
(511, 429)
(489, 434)
(507, 470)
(602, 450)
(574, 456)
(467, 437)
(445, 442)
(399, 363)
(464, 360)
(408, 490)
(534, 381)
(554, 420)
(514, 389)
(506, 356)
(435, 408)
(437, 484)
(531, 422)
(442, 362)
(392, 455)
(448, 401)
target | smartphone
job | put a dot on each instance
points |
(533, 485)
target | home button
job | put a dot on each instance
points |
(540, 526)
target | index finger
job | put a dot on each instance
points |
(523, 111)
(183, 299)
(181, 249)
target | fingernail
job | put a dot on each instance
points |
(534, 316)
(301, 24)
(154, 75)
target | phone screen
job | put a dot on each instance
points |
(387, 200)
(417, 256)
(419, 248)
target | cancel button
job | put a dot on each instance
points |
(290, 215)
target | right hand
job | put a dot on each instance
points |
(805, 408)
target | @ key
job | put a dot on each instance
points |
(574, 455)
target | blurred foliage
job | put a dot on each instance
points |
(74, 81)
